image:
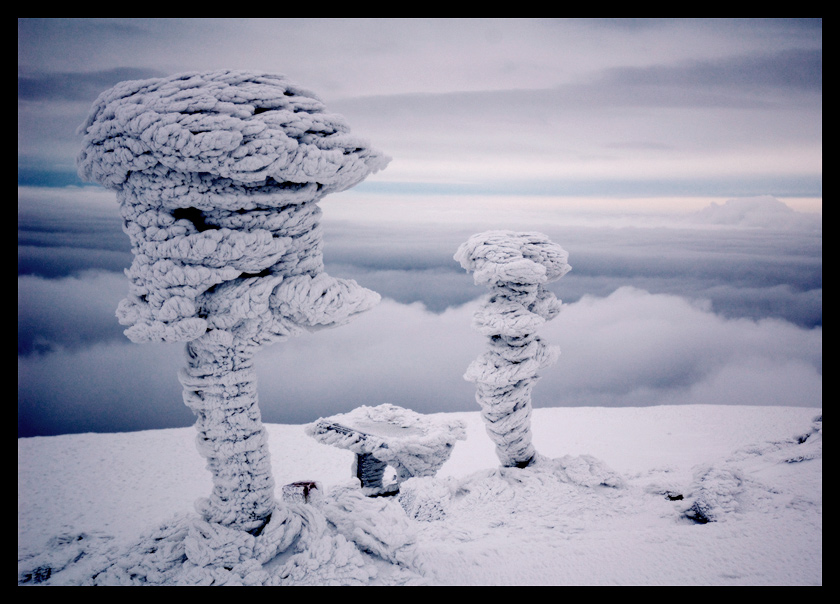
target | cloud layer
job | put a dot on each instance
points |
(631, 348)
(712, 307)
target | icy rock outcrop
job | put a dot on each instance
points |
(304, 491)
(582, 470)
(733, 485)
(315, 553)
(388, 435)
(218, 176)
(515, 266)
(717, 493)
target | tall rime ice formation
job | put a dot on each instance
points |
(515, 267)
(218, 175)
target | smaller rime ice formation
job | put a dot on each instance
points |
(388, 435)
(218, 175)
(515, 267)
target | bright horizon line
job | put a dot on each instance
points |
(596, 195)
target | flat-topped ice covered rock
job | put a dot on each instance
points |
(387, 435)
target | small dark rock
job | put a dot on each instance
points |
(699, 513)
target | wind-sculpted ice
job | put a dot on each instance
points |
(388, 435)
(218, 175)
(515, 267)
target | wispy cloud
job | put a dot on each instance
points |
(76, 86)
(795, 70)
(612, 106)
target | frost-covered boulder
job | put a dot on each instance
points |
(729, 487)
(218, 176)
(387, 435)
(515, 266)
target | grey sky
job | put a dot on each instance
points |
(537, 105)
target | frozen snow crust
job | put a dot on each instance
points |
(755, 474)
(346, 538)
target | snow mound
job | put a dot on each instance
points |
(720, 490)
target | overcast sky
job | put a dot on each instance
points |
(678, 161)
(634, 107)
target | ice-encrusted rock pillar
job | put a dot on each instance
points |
(218, 175)
(515, 267)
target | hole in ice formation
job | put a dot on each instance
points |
(195, 216)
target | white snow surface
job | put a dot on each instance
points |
(600, 507)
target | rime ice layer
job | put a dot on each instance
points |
(218, 175)
(515, 267)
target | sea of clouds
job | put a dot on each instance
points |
(721, 306)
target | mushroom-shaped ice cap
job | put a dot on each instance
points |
(497, 257)
(218, 175)
(244, 126)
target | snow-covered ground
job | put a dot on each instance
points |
(677, 495)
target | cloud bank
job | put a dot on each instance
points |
(631, 348)
(722, 305)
